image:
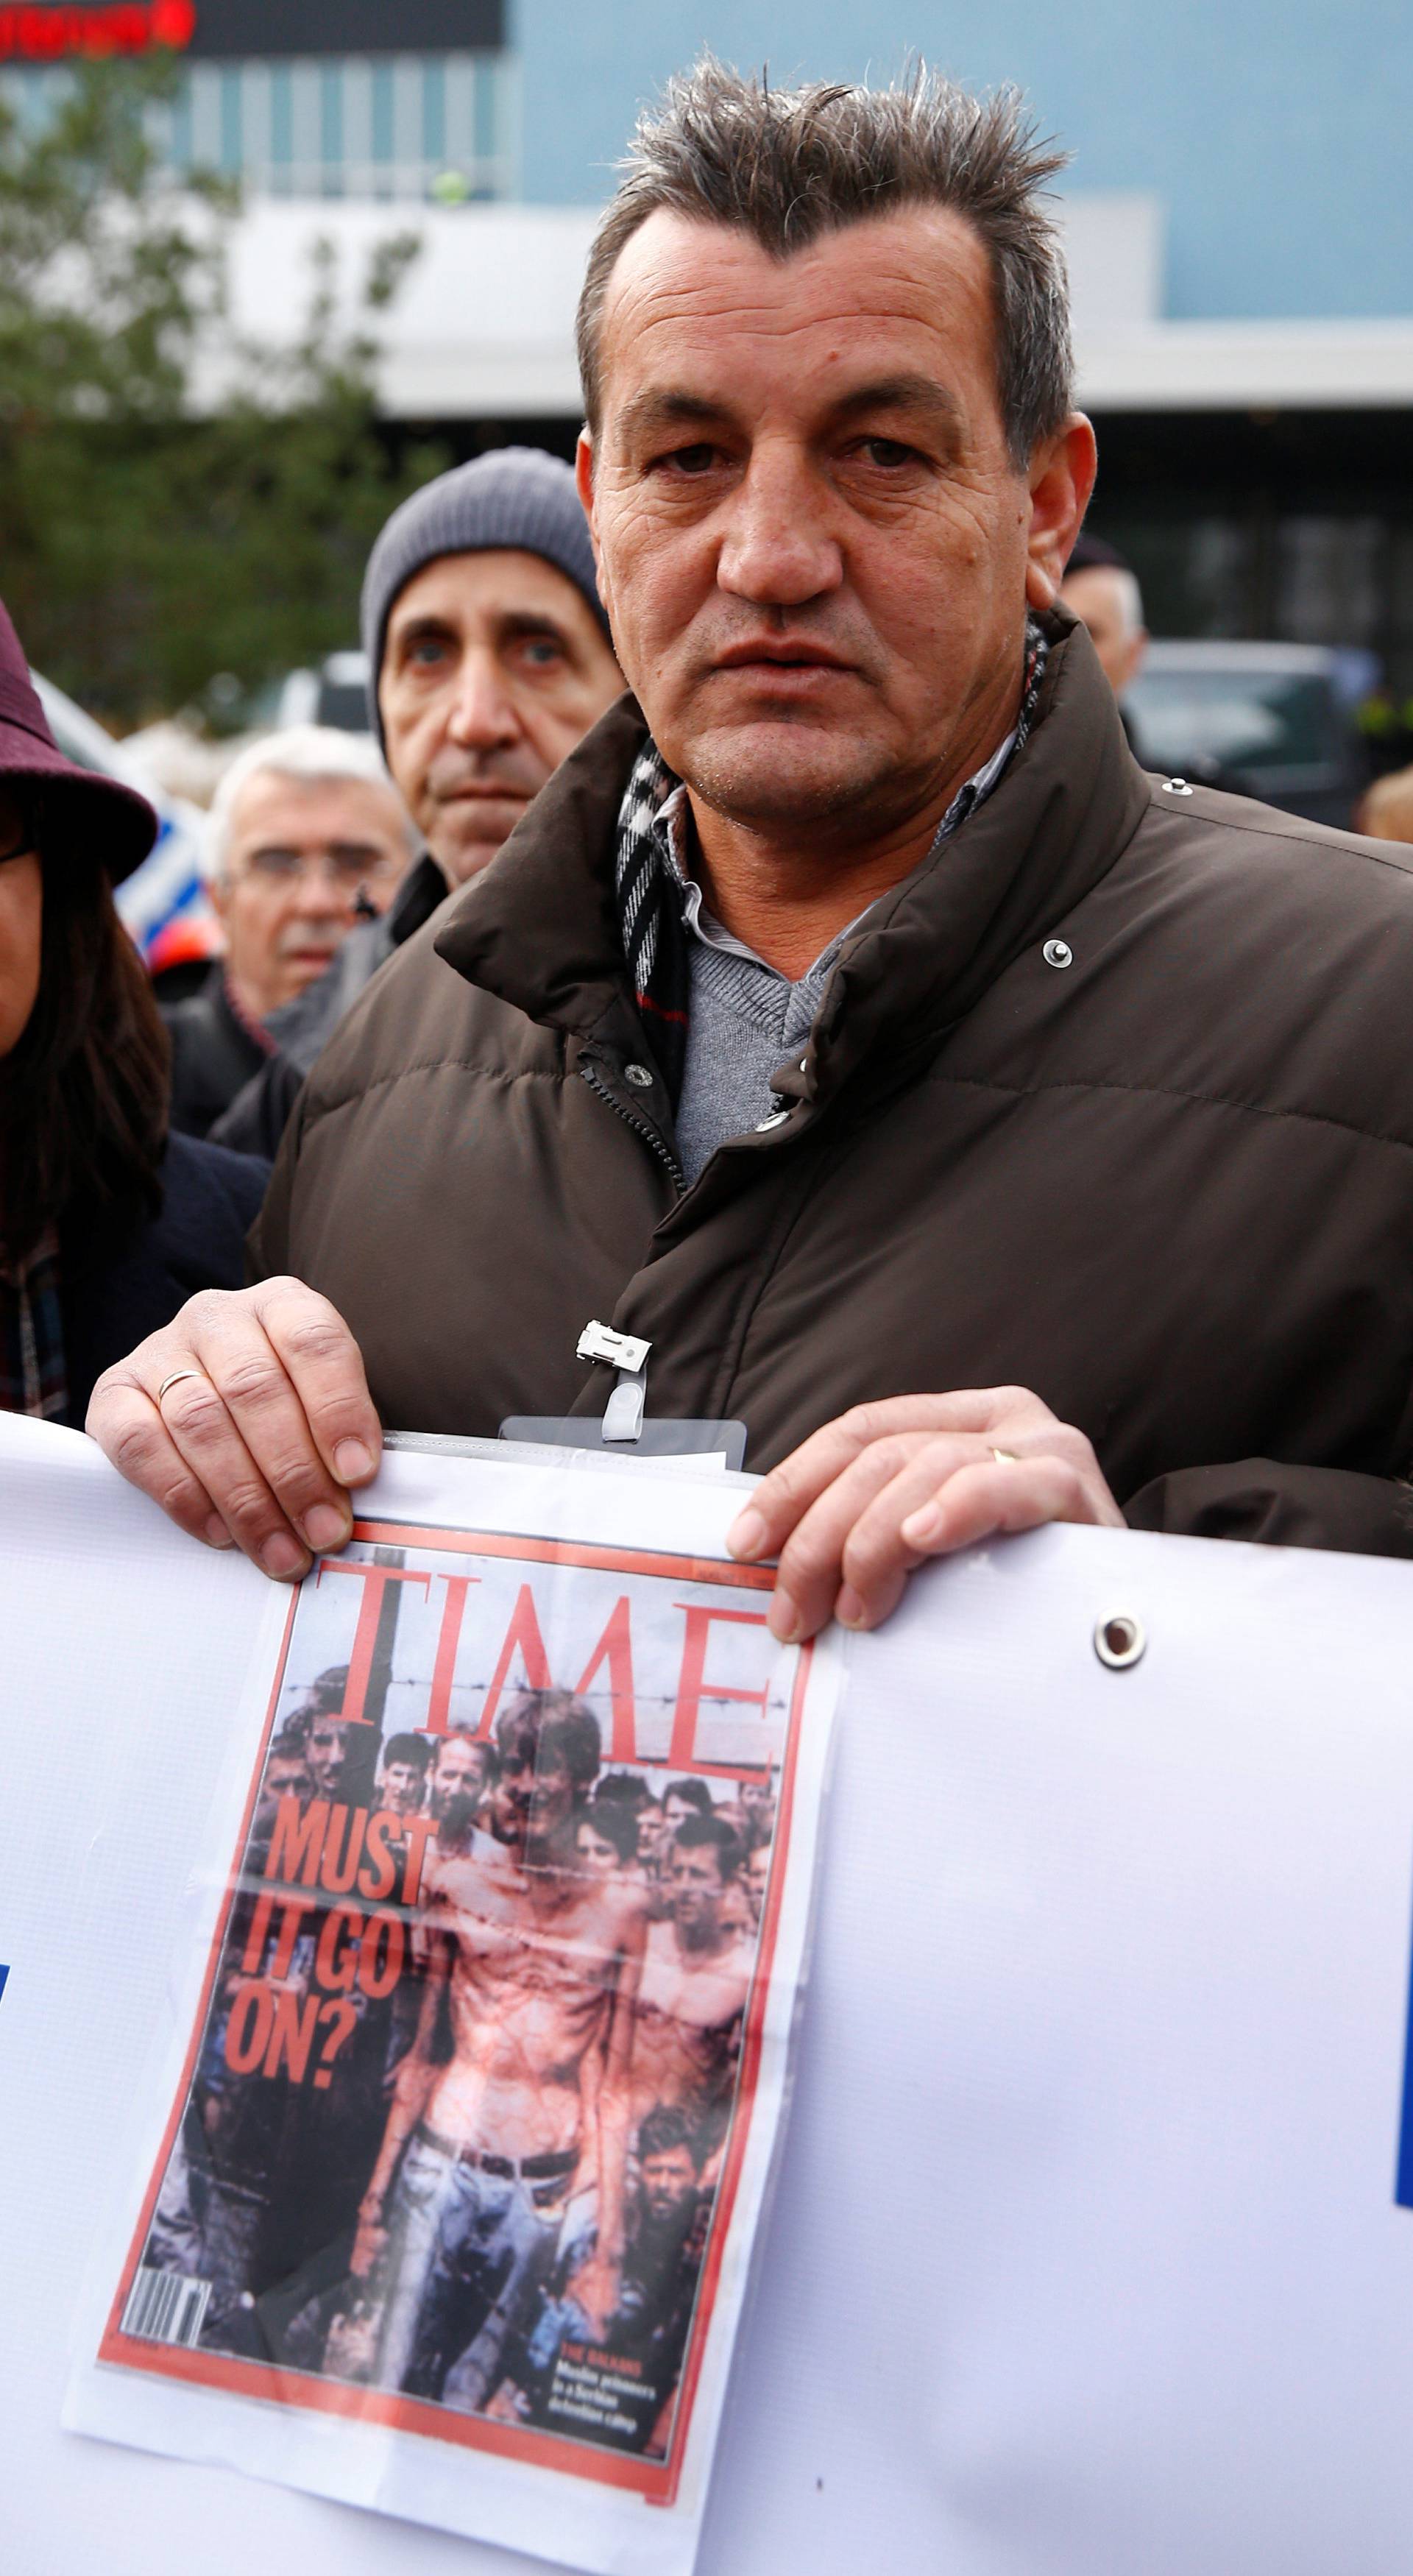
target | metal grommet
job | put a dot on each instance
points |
(1119, 1640)
(1057, 952)
(639, 1076)
(1177, 787)
(777, 1118)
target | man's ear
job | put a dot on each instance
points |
(584, 478)
(1061, 479)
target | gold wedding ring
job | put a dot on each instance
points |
(175, 1380)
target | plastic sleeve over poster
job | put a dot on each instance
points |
(460, 2153)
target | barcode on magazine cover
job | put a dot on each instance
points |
(166, 2307)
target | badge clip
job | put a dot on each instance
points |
(628, 1353)
(621, 1350)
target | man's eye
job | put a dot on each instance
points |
(542, 652)
(698, 459)
(426, 650)
(888, 453)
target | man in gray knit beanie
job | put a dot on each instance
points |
(487, 644)
(488, 660)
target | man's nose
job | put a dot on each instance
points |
(779, 549)
(483, 714)
(317, 891)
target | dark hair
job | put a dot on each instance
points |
(698, 1831)
(407, 1748)
(789, 165)
(324, 1697)
(617, 1824)
(288, 1746)
(83, 1094)
(552, 1725)
(692, 1793)
(623, 1789)
(665, 2127)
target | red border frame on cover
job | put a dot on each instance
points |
(656, 2482)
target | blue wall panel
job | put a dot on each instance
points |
(1279, 133)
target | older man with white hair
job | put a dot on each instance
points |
(308, 835)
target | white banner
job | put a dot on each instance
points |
(1085, 2254)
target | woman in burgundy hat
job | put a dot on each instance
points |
(107, 1225)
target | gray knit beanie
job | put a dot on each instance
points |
(516, 497)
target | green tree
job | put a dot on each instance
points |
(175, 500)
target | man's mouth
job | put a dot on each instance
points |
(782, 653)
(470, 795)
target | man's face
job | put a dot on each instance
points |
(652, 1830)
(757, 1874)
(285, 1777)
(675, 1811)
(298, 852)
(402, 1787)
(814, 546)
(758, 1796)
(461, 1770)
(1102, 600)
(598, 1857)
(494, 667)
(533, 1796)
(696, 1886)
(326, 1755)
(669, 2181)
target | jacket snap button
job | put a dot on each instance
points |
(777, 1118)
(640, 1077)
(1057, 952)
(1176, 787)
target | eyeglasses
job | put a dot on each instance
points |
(347, 864)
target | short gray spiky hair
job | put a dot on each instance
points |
(306, 751)
(789, 165)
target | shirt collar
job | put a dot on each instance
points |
(672, 831)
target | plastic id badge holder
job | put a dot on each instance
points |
(624, 1428)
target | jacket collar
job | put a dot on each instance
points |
(539, 927)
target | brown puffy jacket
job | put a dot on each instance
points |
(1167, 1185)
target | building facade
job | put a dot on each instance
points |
(327, 99)
(1239, 209)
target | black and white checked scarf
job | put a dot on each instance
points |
(655, 937)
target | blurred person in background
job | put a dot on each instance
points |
(1385, 810)
(104, 1222)
(488, 659)
(308, 836)
(1102, 591)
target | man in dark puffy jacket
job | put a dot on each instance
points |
(489, 659)
(1004, 1135)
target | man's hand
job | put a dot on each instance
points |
(853, 1511)
(247, 1418)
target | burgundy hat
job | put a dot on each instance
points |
(119, 823)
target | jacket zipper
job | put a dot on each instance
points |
(639, 1126)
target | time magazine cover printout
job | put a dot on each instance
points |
(456, 2186)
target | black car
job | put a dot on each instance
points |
(1274, 721)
